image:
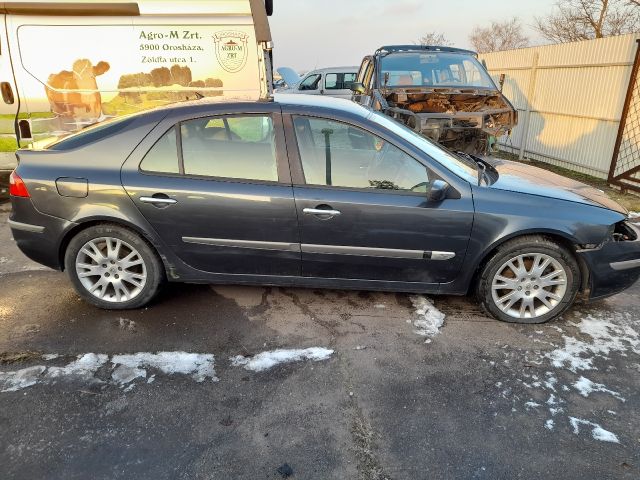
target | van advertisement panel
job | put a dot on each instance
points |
(70, 76)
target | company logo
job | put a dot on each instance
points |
(231, 50)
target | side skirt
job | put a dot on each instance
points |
(313, 282)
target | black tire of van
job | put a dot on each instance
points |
(268, 5)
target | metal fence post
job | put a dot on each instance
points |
(623, 121)
(530, 98)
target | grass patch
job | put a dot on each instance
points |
(629, 201)
(7, 358)
(11, 116)
(8, 144)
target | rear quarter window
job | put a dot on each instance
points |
(93, 134)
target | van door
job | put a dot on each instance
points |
(9, 102)
(338, 84)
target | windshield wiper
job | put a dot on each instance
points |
(480, 165)
(482, 170)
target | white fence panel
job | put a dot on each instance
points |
(570, 99)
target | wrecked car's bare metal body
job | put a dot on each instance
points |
(443, 93)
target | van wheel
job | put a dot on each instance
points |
(268, 5)
(113, 268)
(529, 280)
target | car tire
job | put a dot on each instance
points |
(539, 276)
(113, 267)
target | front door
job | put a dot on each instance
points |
(311, 84)
(218, 192)
(364, 210)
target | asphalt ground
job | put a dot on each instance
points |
(479, 400)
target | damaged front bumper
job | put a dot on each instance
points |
(615, 265)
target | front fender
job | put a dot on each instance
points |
(501, 216)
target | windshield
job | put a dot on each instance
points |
(433, 69)
(460, 166)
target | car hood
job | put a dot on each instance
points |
(289, 75)
(519, 177)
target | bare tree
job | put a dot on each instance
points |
(505, 35)
(575, 20)
(434, 38)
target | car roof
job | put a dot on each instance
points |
(422, 48)
(312, 101)
(322, 101)
(334, 70)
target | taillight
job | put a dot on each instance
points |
(17, 188)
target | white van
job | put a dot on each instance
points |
(65, 65)
(334, 81)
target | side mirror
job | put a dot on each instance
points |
(438, 191)
(357, 88)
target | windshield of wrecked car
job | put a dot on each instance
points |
(460, 166)
(433, 69)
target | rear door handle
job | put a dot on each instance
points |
(320, 211)
(158, 200)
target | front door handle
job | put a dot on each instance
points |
(158, 199)
(321, 211)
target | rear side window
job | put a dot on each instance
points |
(239, 147)
(163, 156)
(93, 134)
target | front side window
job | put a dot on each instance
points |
(310, 83)
(339, 81)
(240, 147)
(341, 155)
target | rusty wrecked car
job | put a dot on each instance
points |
(444, 93)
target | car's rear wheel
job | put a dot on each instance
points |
(113, 267)
(529, 280)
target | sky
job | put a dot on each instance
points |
(310, 34)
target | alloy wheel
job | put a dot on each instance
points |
(111, 269)
(530, 285)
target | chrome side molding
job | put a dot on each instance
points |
(362, 251)
(225, 242)
(322, 249)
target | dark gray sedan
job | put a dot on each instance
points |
(314, 192)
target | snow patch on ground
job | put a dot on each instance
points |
(597, 432)
(606, 337)
(554, 377)
(429, 318)
(17, 380)
(124, 369)
(84, 367)
(266, 360)
(198, 365)
(586, 387)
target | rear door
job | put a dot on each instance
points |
(363, 207)
(338, 84)
(217, 189)
(9, 101)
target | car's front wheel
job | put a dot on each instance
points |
(113, 267)
(529, 280)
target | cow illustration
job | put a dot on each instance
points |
(74, 95)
